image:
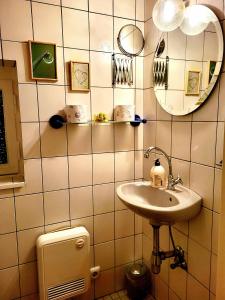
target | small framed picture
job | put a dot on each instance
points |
(43, 61)
(193, 78)
(80, 77)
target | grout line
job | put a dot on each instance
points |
(84, 10)
(67, 47)
(114, 155)
(17, 243)
(84, 186)
(14, 198)
(41, 158)
(1, 44)
(67, 85)
(92, 157)
(66, 128)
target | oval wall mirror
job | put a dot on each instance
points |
(186, 67)
(130, 40)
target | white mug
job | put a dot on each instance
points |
(76, 113)
(124, 113)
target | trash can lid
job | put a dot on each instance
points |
(137, 270)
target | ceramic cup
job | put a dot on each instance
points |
(76, 113)
(124, 113)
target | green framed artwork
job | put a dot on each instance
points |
(43, 61)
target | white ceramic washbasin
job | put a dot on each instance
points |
(161, 206)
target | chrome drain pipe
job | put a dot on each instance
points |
(158, 256)
(155, 258)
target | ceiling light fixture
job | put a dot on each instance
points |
(168, 14)
(196, 19)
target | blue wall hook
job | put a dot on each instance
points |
(56, 121)
(137, 121)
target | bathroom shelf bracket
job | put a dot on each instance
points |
(57, 121)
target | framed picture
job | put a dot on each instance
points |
(211, 69)
(193, 78)
(80, 78)
(43, 61)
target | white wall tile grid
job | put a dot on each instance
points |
(71, 173)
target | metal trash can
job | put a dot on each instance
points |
(137, 281)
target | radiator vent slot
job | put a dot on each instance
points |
(66, 289)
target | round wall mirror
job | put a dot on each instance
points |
(130, 40)
(186, 67)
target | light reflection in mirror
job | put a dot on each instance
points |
(186, 68)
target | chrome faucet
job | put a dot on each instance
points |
(171, 181)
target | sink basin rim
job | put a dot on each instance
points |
(168, 213)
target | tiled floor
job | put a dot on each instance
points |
(121, 295)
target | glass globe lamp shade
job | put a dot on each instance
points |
(196, 19)
(168, 14)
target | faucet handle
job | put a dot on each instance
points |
(146, 154)
(179, 180)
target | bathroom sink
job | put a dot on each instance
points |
(161, 206)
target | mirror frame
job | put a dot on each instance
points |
(216, 73)
(120, 44)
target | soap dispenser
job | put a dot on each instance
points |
(158, 175)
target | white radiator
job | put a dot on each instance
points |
(63, 263)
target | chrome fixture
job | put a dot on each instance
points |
(177, 252)
(130, 40)
(158, 256)
(122, 70)
(171, 181)
(160, 72)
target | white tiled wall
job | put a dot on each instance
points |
(195, 143)
(71, 173)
